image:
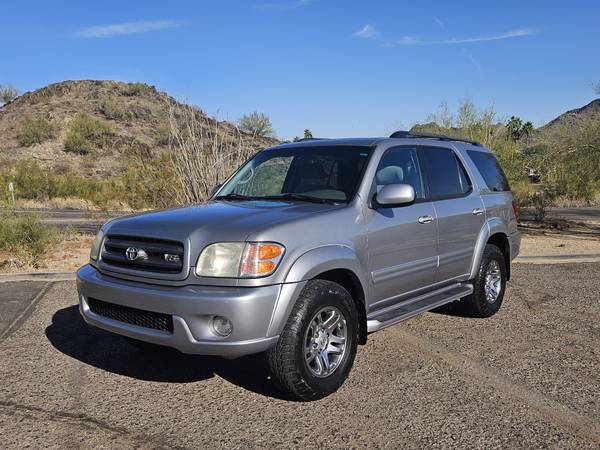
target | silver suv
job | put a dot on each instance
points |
(307, 249)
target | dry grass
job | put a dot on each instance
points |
(72, 203)
(67, 255)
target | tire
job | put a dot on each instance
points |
(483, 302)
(292, 368)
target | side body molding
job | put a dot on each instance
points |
(491, 227)
(306, 267)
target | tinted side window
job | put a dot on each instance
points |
(400, 166)
(490, 170)
(447, 176)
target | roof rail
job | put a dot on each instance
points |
(440, 137)
(310, 139)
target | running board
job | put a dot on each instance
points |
(412, 307)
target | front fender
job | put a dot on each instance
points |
(491, 227)
(307, 267)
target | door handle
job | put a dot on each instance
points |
(425, 219)
(478, 211)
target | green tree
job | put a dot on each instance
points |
(8, 93)
(308, 134)
(256, 123)
(513, 127)
(527, 129)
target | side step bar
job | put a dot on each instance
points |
(412, 307)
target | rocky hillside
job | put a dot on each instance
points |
(591, 109)
(50, 125)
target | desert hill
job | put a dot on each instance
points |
(129, 117)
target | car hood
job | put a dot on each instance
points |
(214, 221)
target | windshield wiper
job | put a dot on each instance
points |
(302, 198)
(234, 196)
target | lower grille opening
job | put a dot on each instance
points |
(132, 316)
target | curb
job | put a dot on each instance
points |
(37, 276)
(558, 259)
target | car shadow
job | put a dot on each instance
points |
(69, 334)
(456, 309)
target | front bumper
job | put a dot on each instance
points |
(192, 308)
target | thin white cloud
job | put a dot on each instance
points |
(370, 32)
(439, 22)
(121, 29)
(493, 37)
(474, 62)
(284, 5)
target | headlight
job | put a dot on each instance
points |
(95, 251)
(239, 259)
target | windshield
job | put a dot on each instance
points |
(328, 173)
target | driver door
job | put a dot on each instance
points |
(402, 241)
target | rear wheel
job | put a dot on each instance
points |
(316, 349)
(489, 284)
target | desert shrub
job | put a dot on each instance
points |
(36, 130)
(150, 180)
(8, 93)
(203, 152)
(163, 133)
(111, 108)
(567, 156)
(131, 89)
(256, 123)
(25, 234)
(86, 133)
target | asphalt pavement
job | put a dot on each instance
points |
(527, 378)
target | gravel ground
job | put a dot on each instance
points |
(527, 378)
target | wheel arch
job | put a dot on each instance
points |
(336, 263)
(495, 232)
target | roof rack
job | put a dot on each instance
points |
(440, 137)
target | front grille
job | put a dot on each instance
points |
(147, 254)
(132, 316)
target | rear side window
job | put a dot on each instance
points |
(447, 176)
(490, 170)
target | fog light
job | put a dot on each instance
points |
(222, 326)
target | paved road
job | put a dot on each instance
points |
(527, 378)
(91, 221)
(577, 214)
(88, 222)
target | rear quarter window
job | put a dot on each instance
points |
(489, 168)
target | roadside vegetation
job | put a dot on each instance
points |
(25, 237)
(565, 157)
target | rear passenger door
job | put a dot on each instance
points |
(460, 212)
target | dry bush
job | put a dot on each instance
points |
(204, 151)
(36, 130)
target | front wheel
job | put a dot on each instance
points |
(316, 349)
(489, 284)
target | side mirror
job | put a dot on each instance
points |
(215, 188)
(392, 195)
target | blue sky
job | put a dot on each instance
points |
(340, 68)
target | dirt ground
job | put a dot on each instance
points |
(526, 378)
